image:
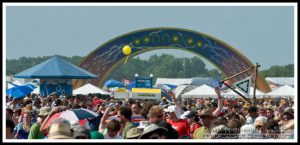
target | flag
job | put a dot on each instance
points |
(244, 85)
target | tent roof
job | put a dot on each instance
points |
(281, 80)
(57, 68)
(182, 89)
(89, 88)
(282, 91)
(202, 91)
(188, 81)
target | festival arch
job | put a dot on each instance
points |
(107, 57)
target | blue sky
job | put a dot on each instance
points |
(264, 34)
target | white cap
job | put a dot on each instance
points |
(183, 116)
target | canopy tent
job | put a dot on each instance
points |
(181, 89)
(55, 76)
(166, 87)
(281, 80)
(89, 88)
(258, 93)
(285, 90)
(56, 68)
(203, 91)
(185, 81)
(113, 83)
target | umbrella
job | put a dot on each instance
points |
(72, 115)
(51, 119)
(113, 83)
(19, 91)
(78, 114)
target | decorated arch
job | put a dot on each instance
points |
(106, 58)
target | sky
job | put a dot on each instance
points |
(264, 34)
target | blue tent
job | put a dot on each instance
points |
(113, 83)
(56, 68)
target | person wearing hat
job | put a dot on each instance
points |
(35, 132)
(193, 120)
(206, 117)
(164, 101)
(60, 129)
(153, 131)
(81, 133)
(181, 125)
(134, 133)
(260, 124)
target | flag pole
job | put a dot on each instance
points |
(255, 78)
(237, 74)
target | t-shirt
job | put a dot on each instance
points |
(35, 132)
(201, 133)
(182, 127)
(193, 128)
(128, 126)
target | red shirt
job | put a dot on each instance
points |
(182, 126)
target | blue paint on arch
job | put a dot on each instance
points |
(103, 60)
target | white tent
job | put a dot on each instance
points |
(89, 88)
(258, 93)
(285, 90)
(203, 91)
(181, 89)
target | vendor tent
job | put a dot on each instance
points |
(55, 75)
(89, 88)
(285, 90)
(203, 91)
(181, 89)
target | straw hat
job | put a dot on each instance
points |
(134, 133)
(44, 111)
(151, 128)
(60, 129)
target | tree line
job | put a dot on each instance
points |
(163, 66)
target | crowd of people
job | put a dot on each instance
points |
(203, 118)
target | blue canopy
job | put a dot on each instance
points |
(19, 91)
(113, 83)
(55, 68)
